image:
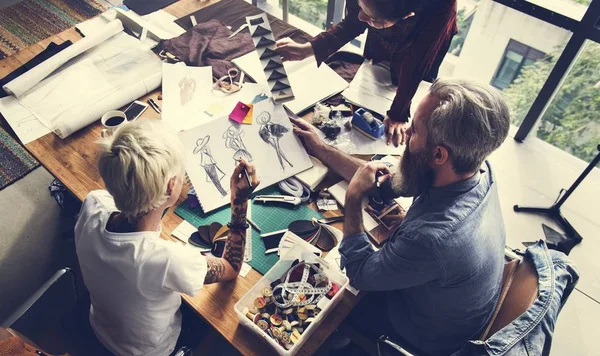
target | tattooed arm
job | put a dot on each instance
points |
(228, 267)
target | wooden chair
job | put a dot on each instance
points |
(519, 291)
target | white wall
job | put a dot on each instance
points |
(492, 28)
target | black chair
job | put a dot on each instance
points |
(38, 319)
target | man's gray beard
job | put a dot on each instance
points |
(414, 175)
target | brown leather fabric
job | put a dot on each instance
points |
(507, 277)
(521, 294)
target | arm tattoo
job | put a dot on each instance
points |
(215, 271)
(234, 249)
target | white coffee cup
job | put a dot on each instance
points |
(111, 121)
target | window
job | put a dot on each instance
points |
(572, 121)
(500, 44)
(516, 56)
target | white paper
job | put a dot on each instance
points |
(215, 105)
(159, 21)
(27, 127)
(313, 176)
(25, 82)
(372, 88)
(246, 268)
(183, 231)
(107, 77)
(186, 90)
(334, 257)
(221, 141)
(165, 22)
(311, 84)
(290, 240)
(338, 191)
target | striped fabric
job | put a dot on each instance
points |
(31, 21)
(15, 161)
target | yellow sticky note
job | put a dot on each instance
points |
(248, 119)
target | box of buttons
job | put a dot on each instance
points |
(287, 304)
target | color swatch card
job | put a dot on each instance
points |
(260, 30)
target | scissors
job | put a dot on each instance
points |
(240, 29)
(227, 83)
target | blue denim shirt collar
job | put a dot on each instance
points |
(454, 189)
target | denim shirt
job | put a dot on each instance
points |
(531, 333)
(441, 269)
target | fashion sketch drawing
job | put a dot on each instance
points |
(213, 172)
(187, 86)
(233, 139)
(271, 133)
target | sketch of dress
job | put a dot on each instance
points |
(233, 139)
(209, 164)
(271, 133)
(187, 86)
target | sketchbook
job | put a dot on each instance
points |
(213, 149)
(303, 78)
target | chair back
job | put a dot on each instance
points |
(41, 313)
(519, 291)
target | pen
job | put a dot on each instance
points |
(247, 177)
(253, 224)
(377, 175)
(154, 105)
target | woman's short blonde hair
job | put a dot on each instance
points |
(136, 164)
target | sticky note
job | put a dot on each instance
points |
(239, 112)
(248, 119)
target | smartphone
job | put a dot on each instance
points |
(135, 110)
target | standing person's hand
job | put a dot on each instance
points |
(395, 131)
(291, 50)
(240, 190)
(312, 142)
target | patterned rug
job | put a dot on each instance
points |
(15, 161)
(31, 21)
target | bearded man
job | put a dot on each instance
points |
(438, 277)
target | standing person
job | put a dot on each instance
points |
(412, 35)
(134, 277)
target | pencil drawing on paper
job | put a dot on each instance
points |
(233, 139)
(213, 172)
(271, 133)
(187, 86)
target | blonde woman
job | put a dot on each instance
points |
(134, 277)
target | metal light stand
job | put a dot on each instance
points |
(554, 211)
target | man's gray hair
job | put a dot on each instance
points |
(471, 121)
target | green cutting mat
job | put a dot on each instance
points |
(269, 218)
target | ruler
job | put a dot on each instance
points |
(248, 250)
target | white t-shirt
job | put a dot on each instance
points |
(134, 280)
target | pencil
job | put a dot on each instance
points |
(253, 224)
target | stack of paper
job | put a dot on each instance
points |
(313, 176)
(372, 88)
(78, 85)
(311, 84)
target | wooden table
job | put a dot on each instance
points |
(73, 162)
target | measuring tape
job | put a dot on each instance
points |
(248, 250)
(295, 289)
